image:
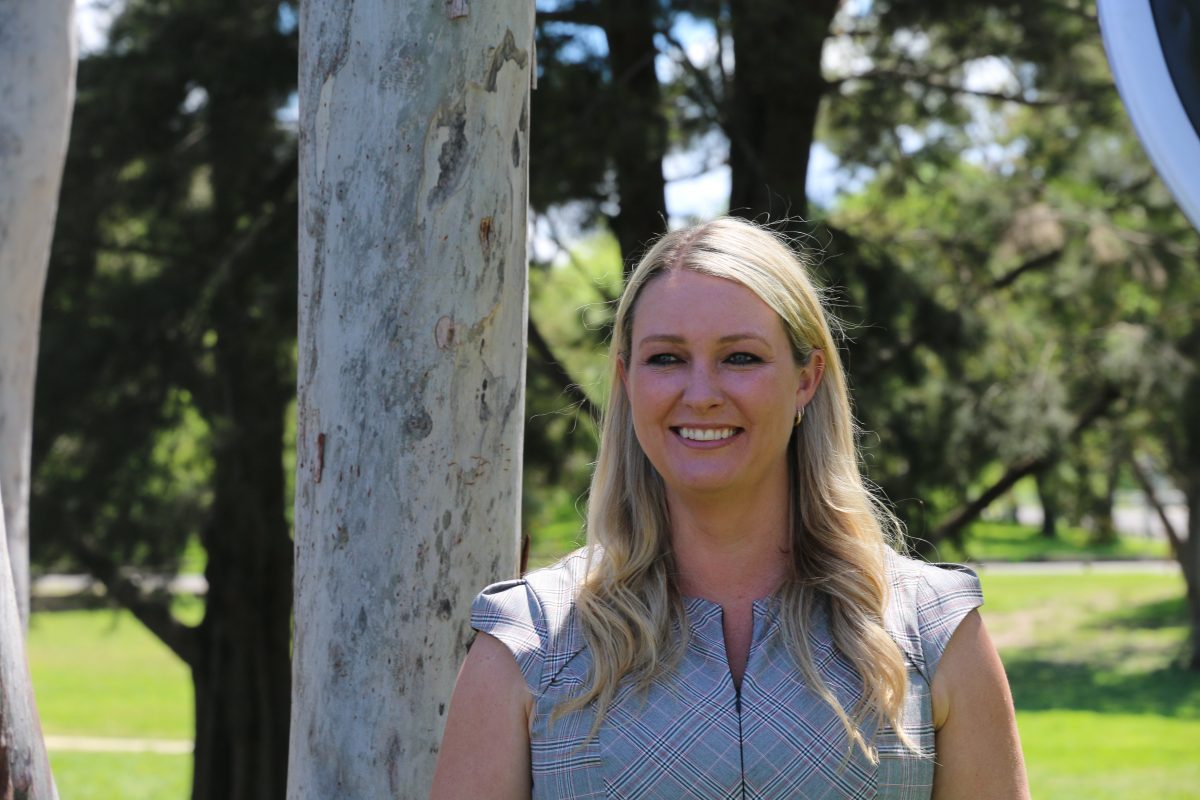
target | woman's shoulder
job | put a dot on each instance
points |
(534, 616)
(929, 579)
(925, 606)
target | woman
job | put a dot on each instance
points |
(738, 625)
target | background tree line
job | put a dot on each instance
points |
(1013, 279)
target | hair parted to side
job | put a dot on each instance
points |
(839, 533)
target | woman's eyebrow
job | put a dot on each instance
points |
(670, 338)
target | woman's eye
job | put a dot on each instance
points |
(742, 359)
(662, 360)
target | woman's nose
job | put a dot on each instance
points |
(703, 390)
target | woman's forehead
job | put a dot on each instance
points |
(688, 304)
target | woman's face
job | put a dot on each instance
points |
(713, 385)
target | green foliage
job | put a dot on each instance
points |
(175, 247)
(571, 306)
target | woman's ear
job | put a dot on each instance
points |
(810, 378)
(621, 372)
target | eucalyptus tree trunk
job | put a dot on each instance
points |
(37, 91)
(413, 174)
(24, 769)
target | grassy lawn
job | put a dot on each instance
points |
(101, 673)
(1104, 708)
(1006, 541)
(121, 776)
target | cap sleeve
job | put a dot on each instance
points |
(511, 612)
(928, 601)
(945, 595)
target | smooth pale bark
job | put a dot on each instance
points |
(24, 768)
(37, 91)
(413, 175)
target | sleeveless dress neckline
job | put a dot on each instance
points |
(691, 734)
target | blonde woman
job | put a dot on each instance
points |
(738, 625)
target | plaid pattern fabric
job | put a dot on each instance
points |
(692, 735)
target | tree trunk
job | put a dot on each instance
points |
(1047, 496)
(1189, 558)
(24, 768)
(1104, 527)
(777, 91)
(1191, 553)
(37, 92)
(639, 135)
(242, 670)
(414, 164)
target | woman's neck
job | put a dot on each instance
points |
(730, 553)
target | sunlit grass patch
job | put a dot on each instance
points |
(101, 673)
(121, 776)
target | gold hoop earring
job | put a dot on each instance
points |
(799, 415)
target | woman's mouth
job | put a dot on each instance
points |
(706, 434)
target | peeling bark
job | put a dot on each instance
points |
(414, 164)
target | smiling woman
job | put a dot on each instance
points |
(714, 389)
(738, 624)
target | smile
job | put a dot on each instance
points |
(706, 434)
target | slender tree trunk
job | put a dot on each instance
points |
(639, 136)
(1104, 526)
(24, 768)
(37, 92)
(1193, 599)
(1186, 550)
(1189, 557)
(1185, 466)
(242, 670)
(777, 91)
(414, 164)
(1047, 496)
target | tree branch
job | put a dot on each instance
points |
(1035, 263)
(933, 82)
(154, 614)
(574, 15)
(556, 237)
(1177, 543)
(559, 373)
(720, 115)
(962, 516)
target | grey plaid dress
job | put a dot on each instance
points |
(693, 735)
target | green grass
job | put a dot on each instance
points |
(101, 673)
(1005, 541)
(121, 776)
(1104, 706)
(1100, 756)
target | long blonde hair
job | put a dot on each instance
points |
(629, 599)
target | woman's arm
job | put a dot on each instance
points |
(978, 749)
(485, 750)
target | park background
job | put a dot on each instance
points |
(1018, 292)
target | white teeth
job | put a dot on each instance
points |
(706, 434)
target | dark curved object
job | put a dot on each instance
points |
(1178, 26)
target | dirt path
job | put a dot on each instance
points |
(97, 744)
